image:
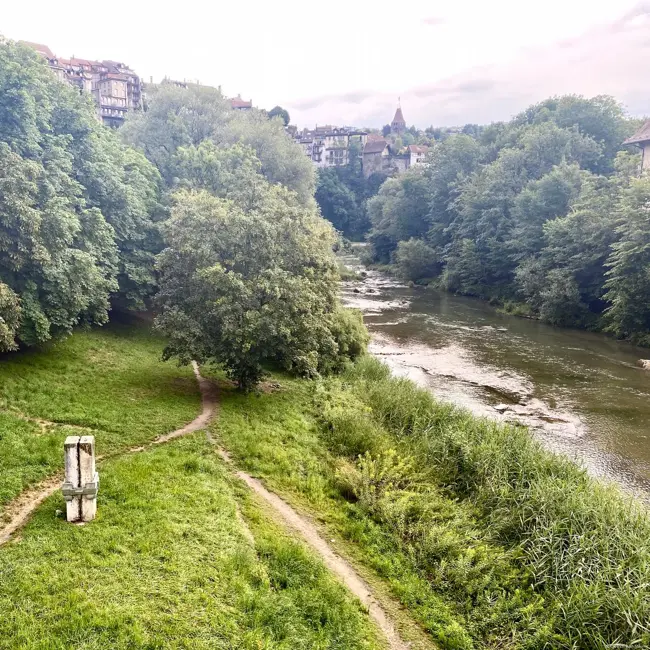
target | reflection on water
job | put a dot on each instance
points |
(580, 393)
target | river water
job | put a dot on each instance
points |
(580, 393)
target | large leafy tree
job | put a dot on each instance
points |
(248, 287)
(399, 212)
(282, 113)
(628, 283)
(76, 207)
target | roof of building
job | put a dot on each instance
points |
(642, 135)
(399, 116)
(41, 49)
(238, 102)
(375, 146)
(418, 148)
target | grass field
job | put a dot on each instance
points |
(109, 379)
(168, 564)
(487, 540)
(180, 555)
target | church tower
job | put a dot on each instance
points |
(398, 125)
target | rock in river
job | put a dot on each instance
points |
(643, 363)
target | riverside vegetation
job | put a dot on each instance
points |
(485, 538)
(208, 217)
(545, 215)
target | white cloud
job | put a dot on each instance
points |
(347, 62)
(605, 59)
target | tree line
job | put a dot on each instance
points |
(205, 213)
(546, 214)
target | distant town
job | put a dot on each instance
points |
(117, 90)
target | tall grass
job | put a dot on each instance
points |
(563, 559)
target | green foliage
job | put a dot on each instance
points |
(579, 544)
(486, 539)
(77, 209)
(338, 203)
(282, 113)
(249, 286)
(530, 212)
(628, 282)
(184, 117)
(398, 212)
(342, 193)
(10, 315)
(414, 260)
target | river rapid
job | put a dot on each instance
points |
(580, 393)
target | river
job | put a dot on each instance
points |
(580, 393)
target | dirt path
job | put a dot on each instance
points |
(18, 511)
(336, 564)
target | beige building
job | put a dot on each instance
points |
(329, 146)
(115, 88)
(642, 139)
(417, 154)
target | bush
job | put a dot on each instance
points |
(574, 569)
(416, 260)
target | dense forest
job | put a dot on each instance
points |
(545, 215)
(205, 213)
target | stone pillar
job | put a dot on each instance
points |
(88, 477)
(81, 480)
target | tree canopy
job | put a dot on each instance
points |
(542, 210)
(247, 277)
(77, 208)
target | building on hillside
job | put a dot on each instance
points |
(417, 154)
(329, 146)
(115, 88)
(398, 125)
(240, 104)
(376, 157)
(642, 139)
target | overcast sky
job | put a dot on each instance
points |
(347, 61)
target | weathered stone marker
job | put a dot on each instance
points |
(81, 480)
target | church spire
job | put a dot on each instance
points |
(398, 125)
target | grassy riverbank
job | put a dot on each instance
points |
(169, 564)
(180, 555)
(486, 539)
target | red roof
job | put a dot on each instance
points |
(417, 148)
(40, 49)
(375, 146)
(399, 117)
(238, 102)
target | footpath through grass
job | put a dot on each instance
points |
(168, 564)
(109, 379)
(486, 539)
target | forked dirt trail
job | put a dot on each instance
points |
(20, 510)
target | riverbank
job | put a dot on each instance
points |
(580, 393)
(485, 538)
(467, 532)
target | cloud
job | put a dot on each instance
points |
(355, 97)
(607, 59)
(434, 21)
